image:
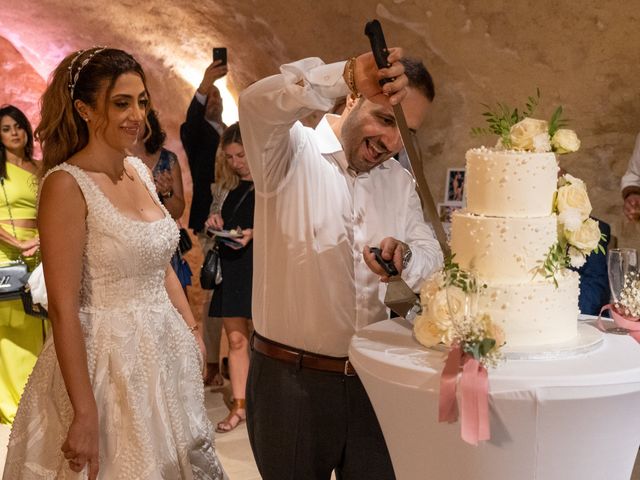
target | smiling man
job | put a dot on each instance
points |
(323, 197)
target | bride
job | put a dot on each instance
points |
(117, 392)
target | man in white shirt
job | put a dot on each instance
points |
(323, 197)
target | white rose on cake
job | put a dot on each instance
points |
(522, 133)
(567, 178)
(573, 196)
(571, 219)
(565, 141)
(576, 257)
(586, 238)
(541, 143)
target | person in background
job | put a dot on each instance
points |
(630, 185)
(323, 197)
(21, 335)
(594, 278)
(118, 388)
(200, 135)
(233, 209)
(167, 177)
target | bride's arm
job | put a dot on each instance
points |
(62, 227)
(179, 300)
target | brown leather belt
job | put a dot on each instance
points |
(304, 359)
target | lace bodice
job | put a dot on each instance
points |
(124, 258)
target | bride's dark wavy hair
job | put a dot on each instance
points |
(23, 122)
(62, 132)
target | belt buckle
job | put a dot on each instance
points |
(346, 369)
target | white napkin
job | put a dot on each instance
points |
(37, 286)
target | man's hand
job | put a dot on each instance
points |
(213, 72)
(631, 207)
(367, 78)
(392, 249)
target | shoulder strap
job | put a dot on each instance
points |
(87, 187)
(244, 195)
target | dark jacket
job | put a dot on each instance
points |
(200, 141)
(594, 278)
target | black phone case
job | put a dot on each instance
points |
(220, 54)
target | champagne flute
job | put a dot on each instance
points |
(621, 264)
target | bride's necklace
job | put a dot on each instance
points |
(125, 173)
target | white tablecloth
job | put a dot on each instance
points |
(576, 418)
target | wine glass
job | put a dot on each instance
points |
(622, 263)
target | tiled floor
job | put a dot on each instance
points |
(233, 447)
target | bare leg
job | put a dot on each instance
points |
(237, 329)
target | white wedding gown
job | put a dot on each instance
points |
(144, 363)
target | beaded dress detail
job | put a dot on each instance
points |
(144, 363)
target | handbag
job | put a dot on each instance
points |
(185, 244)
(211, 271)
(13, 274)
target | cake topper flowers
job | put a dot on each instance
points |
(518, 130)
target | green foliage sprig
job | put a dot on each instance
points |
(504, 117)
(457, 277)
(556, 260)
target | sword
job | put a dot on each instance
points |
(399, 297)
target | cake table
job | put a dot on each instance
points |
(573, 418)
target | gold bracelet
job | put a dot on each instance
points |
(350, 70)
(193, 327)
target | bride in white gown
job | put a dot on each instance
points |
(117, 393)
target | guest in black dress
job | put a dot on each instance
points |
(234, 201)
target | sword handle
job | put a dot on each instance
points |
(373, 30)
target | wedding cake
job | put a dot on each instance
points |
(503, 237)
(507, 281)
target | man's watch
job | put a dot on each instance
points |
(406, 256)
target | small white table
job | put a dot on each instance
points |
(569, 419)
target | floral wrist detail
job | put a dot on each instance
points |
(193, 328)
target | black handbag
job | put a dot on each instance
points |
(185, 244)
(211, 271)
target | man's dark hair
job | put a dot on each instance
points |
(419, 77)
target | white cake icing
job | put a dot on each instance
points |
(504, 235)
(510, 183)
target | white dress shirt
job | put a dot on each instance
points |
(202, 100)
(311, 287)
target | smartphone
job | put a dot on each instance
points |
(229, 242)
(220, 54)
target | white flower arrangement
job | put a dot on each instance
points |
(518, 129)
(447, 319)
(629, 302)
(578, 234)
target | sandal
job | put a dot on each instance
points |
(234, 418)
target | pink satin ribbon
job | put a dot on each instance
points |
(630, 323)
(474, 396)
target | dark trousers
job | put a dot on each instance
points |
(303, 424)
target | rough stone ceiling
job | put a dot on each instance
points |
(581, 53)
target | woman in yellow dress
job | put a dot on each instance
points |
(21, 335)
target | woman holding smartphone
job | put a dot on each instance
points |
(234, 200)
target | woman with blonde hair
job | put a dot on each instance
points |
(118, 389)
(20, 334)
(234, 200)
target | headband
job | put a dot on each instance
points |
(73, 79)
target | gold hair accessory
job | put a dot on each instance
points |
(73, 79)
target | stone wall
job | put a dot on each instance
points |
(582, 54)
